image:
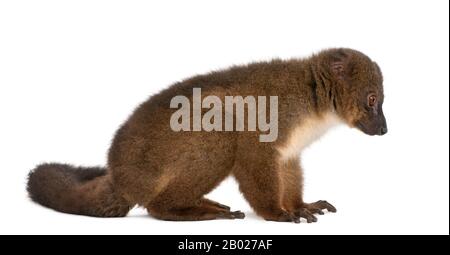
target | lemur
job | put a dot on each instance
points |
(169, 172)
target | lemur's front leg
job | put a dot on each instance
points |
(291, 176)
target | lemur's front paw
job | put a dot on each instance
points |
(283, 216)
(306, 214)
(307, 210)
(318, 206)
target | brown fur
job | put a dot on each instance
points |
(169, 172)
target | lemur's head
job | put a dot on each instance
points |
(359, 85)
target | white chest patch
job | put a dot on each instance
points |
(306, 133)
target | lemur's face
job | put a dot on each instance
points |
(367, 106)
(372, 120)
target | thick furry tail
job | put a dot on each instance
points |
(76, 190)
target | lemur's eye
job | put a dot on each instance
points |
(371, 100)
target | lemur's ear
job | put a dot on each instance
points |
(339, 64)
(378, 71)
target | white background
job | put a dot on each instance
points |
(72, 71)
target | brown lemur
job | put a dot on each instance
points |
(169, 173)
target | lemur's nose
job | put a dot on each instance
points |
(383, 130)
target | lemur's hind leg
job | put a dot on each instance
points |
(225, 209)
(204, 210)
(215, 204)
(180, 202)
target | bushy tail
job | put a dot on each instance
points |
(76, 190)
